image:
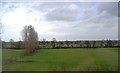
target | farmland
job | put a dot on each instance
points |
(61, 60)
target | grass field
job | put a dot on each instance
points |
(62, 60)
(0, 60)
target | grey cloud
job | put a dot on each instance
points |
(102, 25)
(105, 20)
(110, 7)
(68, 14)
(79, 23)
(63, 15)
(48, 6)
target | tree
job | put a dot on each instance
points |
(11, 43)
(1, 26)
(30, 38)
(60, 44)
(0, 43)
(87, 43)
(53, 42)
(94, 44)
(67, 43)
(109, 43)
(44, 40)
(101, 43)
(18, 45)
(118, 43)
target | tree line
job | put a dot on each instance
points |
(63, 44)
(30, 42)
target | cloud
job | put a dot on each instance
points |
(63, 15)
(62, 20)
(72, 12)
(110, 7)
(94, 23)
(105, 19)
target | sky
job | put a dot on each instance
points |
(60, 20)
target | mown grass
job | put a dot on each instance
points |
(0, 60)
(63, 60)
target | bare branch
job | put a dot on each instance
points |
(30, 38)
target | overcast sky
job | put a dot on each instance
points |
(62, 20)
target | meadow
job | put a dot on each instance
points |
(0, 60)
(99, 59)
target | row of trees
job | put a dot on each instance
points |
(67, 44)
(30, 42)
(78, 44)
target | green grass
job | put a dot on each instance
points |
(0, 60)
(63, 59)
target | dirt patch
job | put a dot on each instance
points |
(18, 60)
(25, 61)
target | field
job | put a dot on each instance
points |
(0, 60)
(62, 60)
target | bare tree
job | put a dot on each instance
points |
(18, 45)
(87, 43)
(30, 38)
(101, 43)
(43, 42)
(60, 44)
(94, 44)
(1, 26)
(0, 43)
(11, 43)
(109, 43)
(53, 42)
(67, 43)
